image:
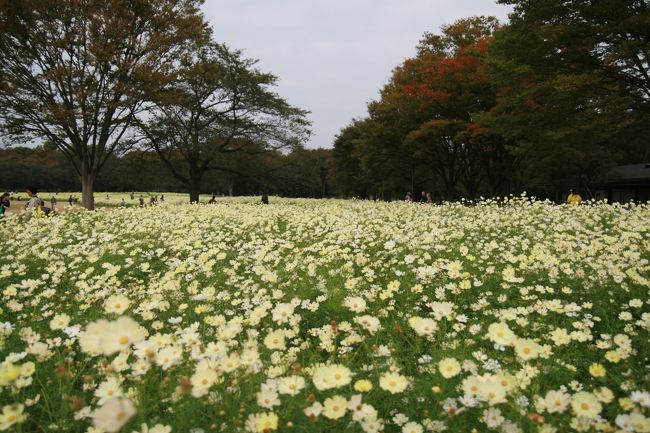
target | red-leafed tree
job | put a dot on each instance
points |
(436, 95)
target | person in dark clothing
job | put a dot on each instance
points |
(213, 199)
(4, 203)
(265, 199)
(423, 197)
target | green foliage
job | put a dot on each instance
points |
(301, 173)
(73, 73)
(220, 104)
(423, 131)
(574, 90)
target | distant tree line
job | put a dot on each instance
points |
(301, 173)
(95, 79)
(552, 100)
(136, 95)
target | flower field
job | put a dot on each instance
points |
(320, 316)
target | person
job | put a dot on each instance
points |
(35, 204)
(132, 196)
(573, 197)
(122, 203)
(141, 200)
(429, 198)
(408, 197)
(70, 200)
(53, 201)
(152, 201)
(4, 203)
(423, 197)
(162, 198)
(213, 200)
(265, 198)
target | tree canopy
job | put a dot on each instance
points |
(218, 105)
(74, 72)
(553, 98)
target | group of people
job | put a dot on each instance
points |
(153, 200)
(264, 199)
(425, 197)
(34, 203)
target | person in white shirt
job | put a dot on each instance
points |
(34, 202)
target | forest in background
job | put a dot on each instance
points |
(553, 99)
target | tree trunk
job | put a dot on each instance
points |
(195, 190)
(196, 174)
(87, 187)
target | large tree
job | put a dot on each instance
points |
(74, 72)
(220, 104)
(574, 86)
(431, 107)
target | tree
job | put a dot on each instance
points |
(218, 105)
(608, 37)
(73, 72)
(437, 95)
(574, 86)
(346, 174)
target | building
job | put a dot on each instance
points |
(625, 183)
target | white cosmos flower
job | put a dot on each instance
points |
(113, 414)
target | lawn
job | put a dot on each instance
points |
(331, 315)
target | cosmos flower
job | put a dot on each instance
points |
(501, 334)
(331, 376)
(585, 404)
(113, 414)
(449, 367)
(11, 415)
(394, 383)
(335, 407)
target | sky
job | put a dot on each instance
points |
(332, 57)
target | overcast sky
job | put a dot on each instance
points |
(333, 56)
